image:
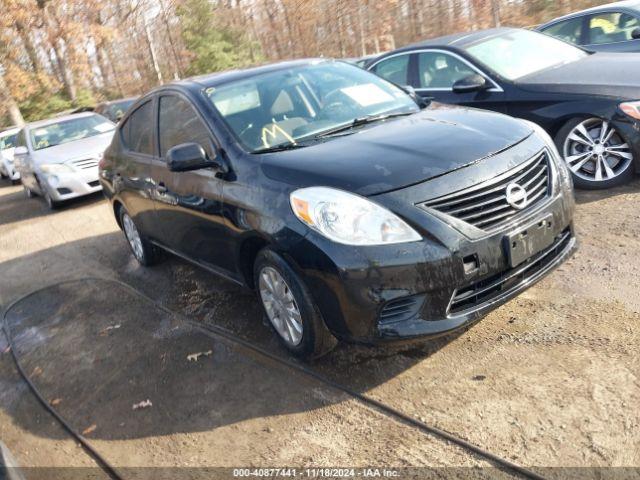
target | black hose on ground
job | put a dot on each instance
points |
(496, 460)
(92, 452)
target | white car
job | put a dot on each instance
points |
(58, 158)
(7, 146)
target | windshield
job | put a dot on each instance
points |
(8, 141)
(115, 111)
(286, 106)
(69, 131)
(519, 53)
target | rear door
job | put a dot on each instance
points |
(188, 205)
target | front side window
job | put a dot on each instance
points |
(69, 131)
(138, 130)
(394, 69)
(441, 70)
(611, 28)
(569, 30)
(8, 141)
(178, 123)
(299, 103)
(520, 53)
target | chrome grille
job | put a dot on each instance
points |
(85, 163)
(485, 205)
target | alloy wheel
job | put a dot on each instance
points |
(131, 232)
(596, 152)
(280, 305)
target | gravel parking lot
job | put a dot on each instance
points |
(551, 379)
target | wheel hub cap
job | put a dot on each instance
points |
(280, 305)
(131, 232)
(596, 152)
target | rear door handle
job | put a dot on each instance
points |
(161, 188)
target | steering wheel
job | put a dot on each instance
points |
(335, 105)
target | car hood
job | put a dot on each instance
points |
(396, 153)
(609, 74)
(7, 153)
(84, 148)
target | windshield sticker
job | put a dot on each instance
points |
(103, 127)
(270, 134)
(367, 94)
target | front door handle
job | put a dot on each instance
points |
(161, 188)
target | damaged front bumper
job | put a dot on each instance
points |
(452, 278)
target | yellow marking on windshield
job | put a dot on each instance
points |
(273, 133)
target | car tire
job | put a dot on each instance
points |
(51, 203)
(15, 182)
(583, 178)
(143, 250)
(316, 339)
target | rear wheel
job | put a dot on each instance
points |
(290, 308)
(143, 250)
(596, 153)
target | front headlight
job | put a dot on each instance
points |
(566, 181)
(349, 219)
(631, 108)
(53, 168)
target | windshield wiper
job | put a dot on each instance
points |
(280, 148)
(357, 122)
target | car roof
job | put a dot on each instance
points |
(9, 131)
(51, 121)
(455, 40)
(608, 7)
(219, 78)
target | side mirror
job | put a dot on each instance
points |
(472, 83)
(422, 102)
(635, 33)
(189, 156)
(21, 150)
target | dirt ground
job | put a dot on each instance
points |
(551, 379)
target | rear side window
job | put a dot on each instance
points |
(611, 27)
(569, 31)
(179, 123)
(137, 131)
(394, 69)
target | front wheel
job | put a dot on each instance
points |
(290, 308)
(596, 153)
(143, 250)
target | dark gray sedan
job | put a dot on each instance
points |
(614, 27)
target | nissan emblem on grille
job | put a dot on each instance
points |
(516, 196)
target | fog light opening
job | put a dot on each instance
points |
(471, 264)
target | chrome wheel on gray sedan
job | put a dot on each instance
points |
(281, 306)
(131, 232)
(596, 153)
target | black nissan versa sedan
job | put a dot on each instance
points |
(355, 213)
(589, 102)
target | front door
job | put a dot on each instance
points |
(188, 205)
(435, 71)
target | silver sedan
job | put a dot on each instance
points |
(58, 158)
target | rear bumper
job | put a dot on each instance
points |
(70, 185)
